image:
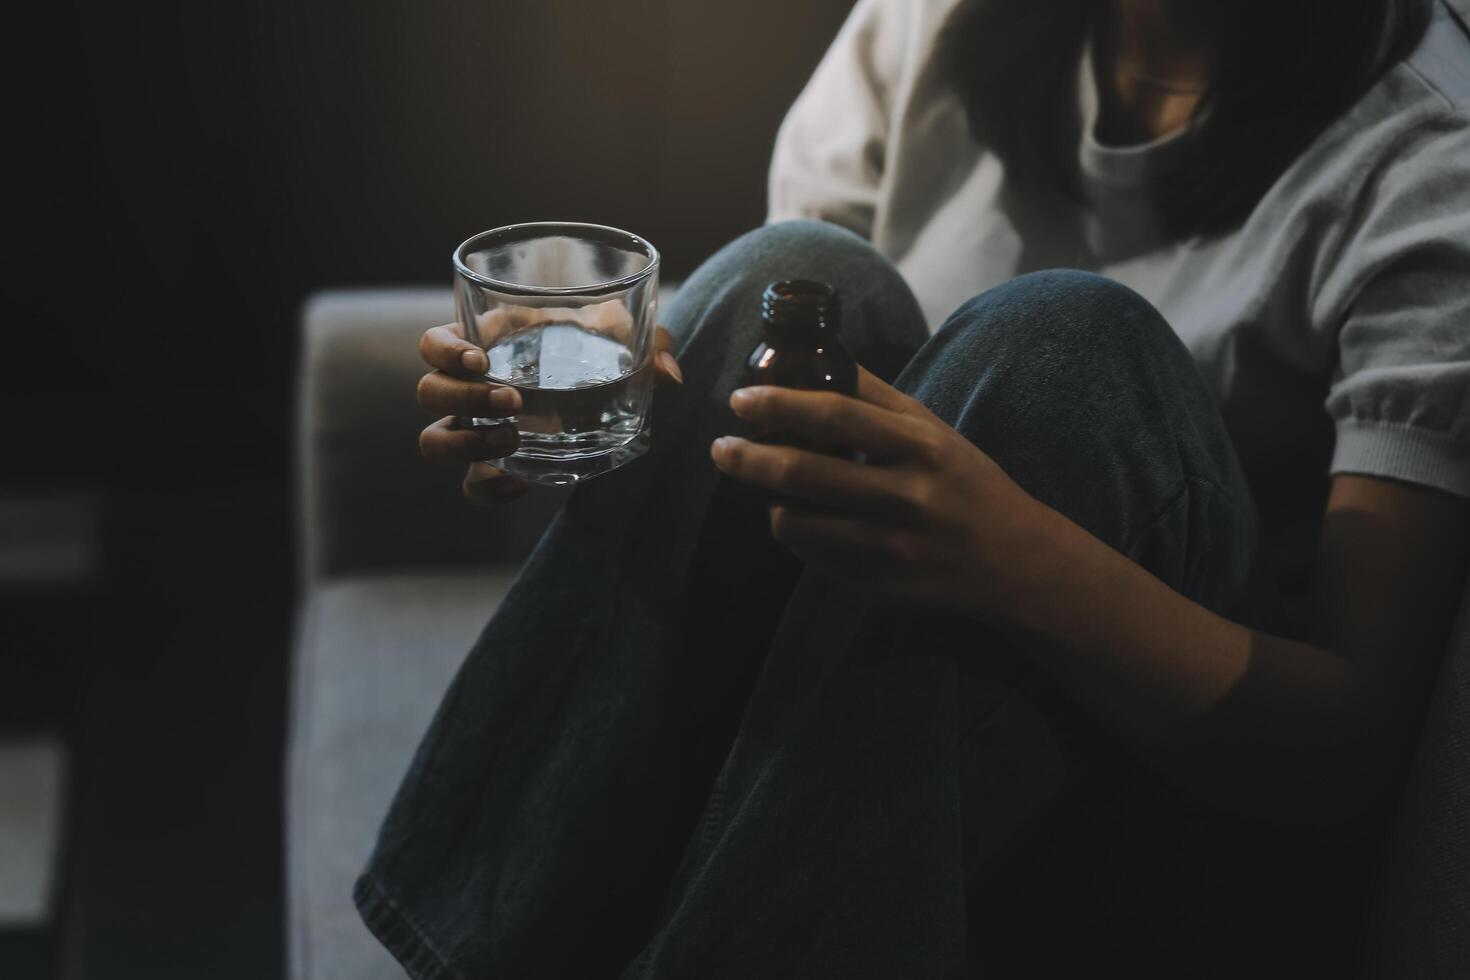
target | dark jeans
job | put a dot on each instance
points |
(674, 753)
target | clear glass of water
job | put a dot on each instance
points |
(566, 315)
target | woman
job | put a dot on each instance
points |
(1112, 653)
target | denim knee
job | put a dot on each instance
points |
(798, 235)
(1055, 334)
(801, 248)
(1081, 391)
(1060, 313)
(881, 321)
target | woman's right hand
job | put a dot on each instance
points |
(457, 389)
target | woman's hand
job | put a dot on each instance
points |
(928, 520)
(457, 389)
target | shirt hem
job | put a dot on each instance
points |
(1402, 452)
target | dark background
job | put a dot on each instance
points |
(178, 178)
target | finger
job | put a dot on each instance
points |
(448, 441)
(829, 419)
(854, 547)
(873, 389)
(446, 349)
(663, 357)
(485, 486)
(441, 394)
(819, 479)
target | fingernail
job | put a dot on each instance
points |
(505, 399)
(741, 398)
(717, 448)
(671, 366)
(473, 360)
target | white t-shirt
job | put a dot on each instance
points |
(1333, 325)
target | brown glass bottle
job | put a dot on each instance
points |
(801, 348)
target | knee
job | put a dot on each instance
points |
(1059, 313)
(799, 234)
(881, 321)
(787, 250)
(1058, 333)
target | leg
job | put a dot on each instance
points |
(1085, 396)
(907, 796)
(553, 794)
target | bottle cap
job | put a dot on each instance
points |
(800, 305)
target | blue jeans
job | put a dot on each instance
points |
(675, 753)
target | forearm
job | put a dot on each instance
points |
(1262, 725)
(1283, 730)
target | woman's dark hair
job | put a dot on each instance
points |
(1286, 69)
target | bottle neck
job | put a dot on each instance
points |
(797, 311)
(788, 335)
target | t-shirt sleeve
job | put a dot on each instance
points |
(828, 161)
(1401, 397)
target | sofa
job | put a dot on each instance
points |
(398, 574)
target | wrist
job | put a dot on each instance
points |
(1022, 580)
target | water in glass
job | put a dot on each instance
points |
(581, 392)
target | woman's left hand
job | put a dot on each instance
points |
(927, 520)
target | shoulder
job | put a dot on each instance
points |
(903, 30)
(907, 13)
(1412, 128)
(1431, 82)
(883, 45)
(1421, 108)
(1385, 189)
(1440, 65)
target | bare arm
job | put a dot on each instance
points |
(1312, 735)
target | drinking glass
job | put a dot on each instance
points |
(566, 314)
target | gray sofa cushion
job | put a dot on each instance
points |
(373, 658)
(368, 502)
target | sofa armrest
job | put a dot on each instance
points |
(1422, 927)
(366, 501)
